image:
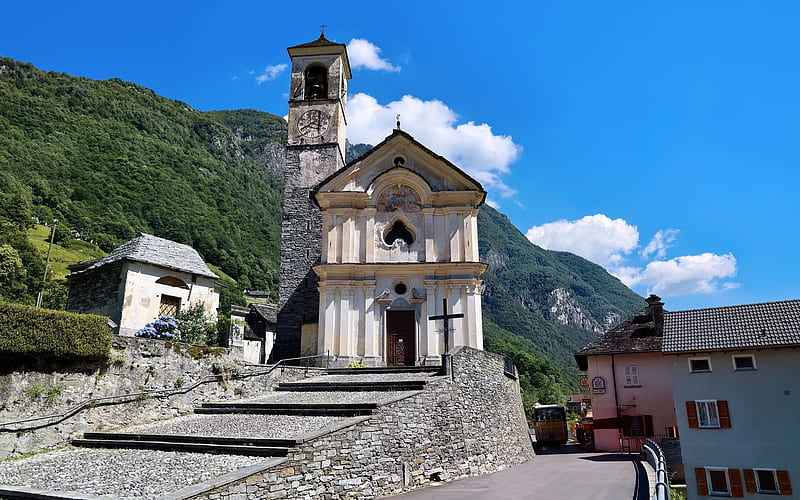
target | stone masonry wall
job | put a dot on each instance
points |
(301, 240)
(96, 292)
(471, 425)
(137, 365)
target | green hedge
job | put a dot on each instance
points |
(27, 332)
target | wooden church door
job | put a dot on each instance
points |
(400, 330)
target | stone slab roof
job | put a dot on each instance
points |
(153, 250)
(266, 311)
(770, 324)
(637, 334)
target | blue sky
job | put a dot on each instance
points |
(656, 139)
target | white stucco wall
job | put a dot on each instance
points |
(142, 295)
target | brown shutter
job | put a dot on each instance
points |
(691, 412)
(702, 482)
(783, 482)
(606, 423)
(626, 425)
(648, 425)
(750, 480)
(724, 414)
(736, 483)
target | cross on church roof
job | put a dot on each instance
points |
(322, 30)
(446, 318)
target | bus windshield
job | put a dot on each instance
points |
(549, 414)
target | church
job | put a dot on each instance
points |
(379, 257)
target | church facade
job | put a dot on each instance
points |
(379, 261)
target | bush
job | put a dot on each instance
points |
(42, 334)
(196, 327)
(164, 328)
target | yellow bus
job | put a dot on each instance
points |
(550, 424)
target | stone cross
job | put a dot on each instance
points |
(446, 318)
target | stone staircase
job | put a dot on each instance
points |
(218, 441)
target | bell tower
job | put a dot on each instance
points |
(315, 149)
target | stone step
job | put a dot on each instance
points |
(224, 449)
(400, 385)
(327, 409)
(382, 369)
(178, 438)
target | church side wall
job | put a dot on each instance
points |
(471, 425)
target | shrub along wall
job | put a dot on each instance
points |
(30, 333)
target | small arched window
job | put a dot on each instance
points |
(398, 231)
(172, 281)
(316, 82)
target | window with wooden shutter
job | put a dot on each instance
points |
(784, 485)
(750, 480)
(691, 413)
(724, 414)
(735, 482)
(718, 482)
(702, 482)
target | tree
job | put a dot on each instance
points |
(12, 274)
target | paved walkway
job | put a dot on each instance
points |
(559, 473)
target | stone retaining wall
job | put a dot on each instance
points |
(467, 424)
(136, 365)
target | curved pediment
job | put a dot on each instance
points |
(403, 160)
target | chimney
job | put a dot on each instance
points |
(656, 309)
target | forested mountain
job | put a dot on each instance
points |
(111, 158)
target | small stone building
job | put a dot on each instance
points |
(143, 279)
(252, 333)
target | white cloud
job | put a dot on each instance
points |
(493, 204)
(690, 274)
(473, 147)
(597, 238)
(610, 243)
(663, 240)
(364, 54)
(271, 72)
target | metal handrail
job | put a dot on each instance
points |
(655, 457)
(92, 402)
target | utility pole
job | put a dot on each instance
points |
(47, 264)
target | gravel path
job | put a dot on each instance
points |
(237, 425)
(121, 474)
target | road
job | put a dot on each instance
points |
(559, 473)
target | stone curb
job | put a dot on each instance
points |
(25, 492)
(196, 489)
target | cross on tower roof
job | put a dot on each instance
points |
(446, 318)
(322, 30)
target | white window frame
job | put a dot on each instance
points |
(752, 358)
(704, 407)
(632, 376)
(700, 358)
(711, 491)
(774, 472)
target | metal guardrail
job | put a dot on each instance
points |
(160, 393)
(655, 457)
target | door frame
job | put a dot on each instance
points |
(409, 359)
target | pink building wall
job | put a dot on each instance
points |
(652, 396)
